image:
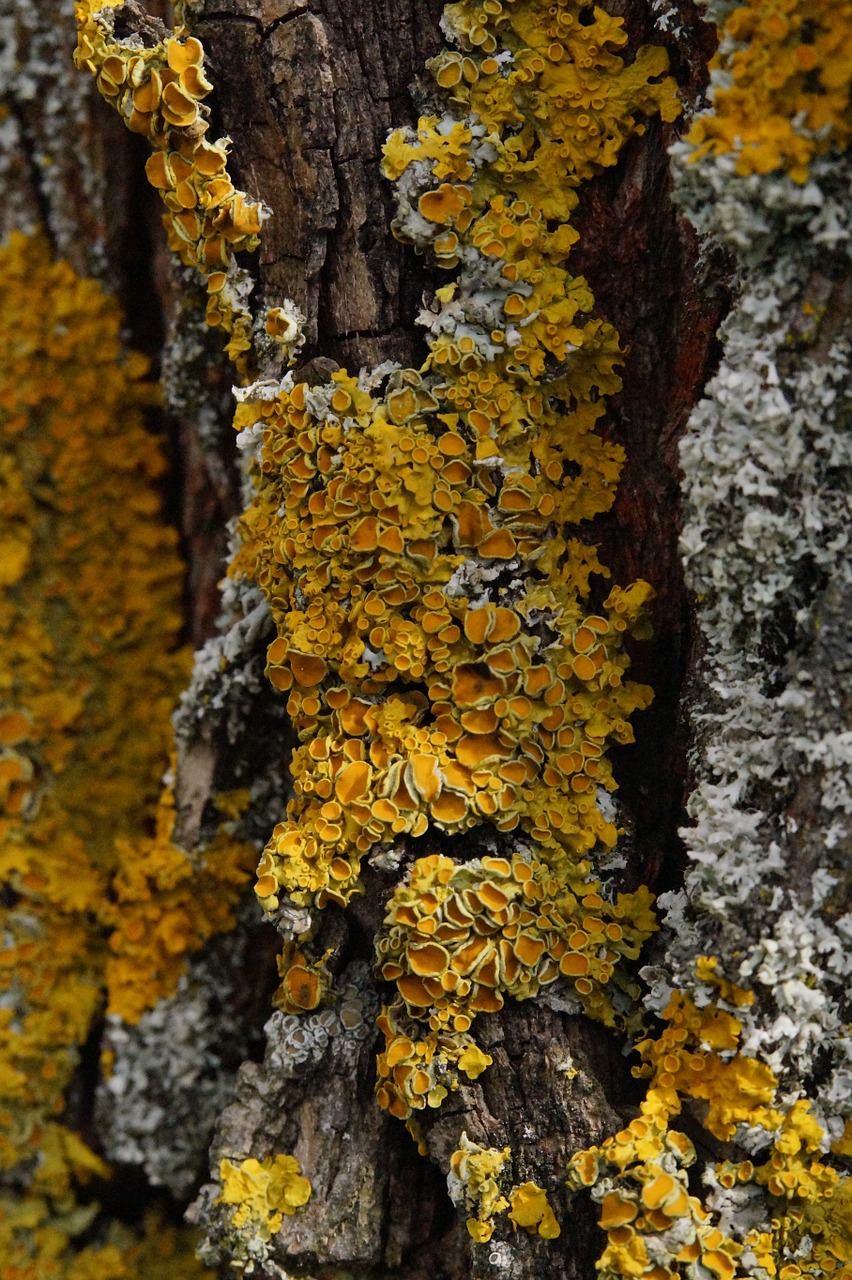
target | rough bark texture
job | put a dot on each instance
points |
(308, 94)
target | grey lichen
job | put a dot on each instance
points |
(196, 375)
(44, 125)
(228, 709)
(767, 463)
(170, 1075)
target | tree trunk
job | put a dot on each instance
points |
(308, 93)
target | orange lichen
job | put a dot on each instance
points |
(811, 1222)
(638, 1174)
(695, 1055)
(158, 90)
(368, 505)
(460, 937)
(419, 1068)
(565, 97)
(304, 983)
(492, 731)
(783, 78)
(639, 1178)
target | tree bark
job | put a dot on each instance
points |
(307, 91)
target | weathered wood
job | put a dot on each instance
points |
(308, 94)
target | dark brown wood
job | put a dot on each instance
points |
(309, 93)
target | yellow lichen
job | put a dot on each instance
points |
(262, 1192)
(695, 1055)
(458, 938)
(782, 90)
(478, 1170)
(90, 615)
(423, 699)
(165, 906)
(530, 1208)
(559, 110)
(811, 1221)
(367, 505)
(90, 618)
(304, 983)
(638, 1175)
(157, 90)
(418, 1068)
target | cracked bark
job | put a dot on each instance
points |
(308, 94)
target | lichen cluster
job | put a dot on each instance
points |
(779, 86)
(655, 1226)
(475, 1183)
(453, 667)
(90, 615)
(450, 664)
(158, 89)
(487, 727)
(479, 729)
(261, 1192)
(164, 905)
(753, 970)
(460, 937)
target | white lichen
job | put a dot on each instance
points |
(170, 1075)
(767, 460)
